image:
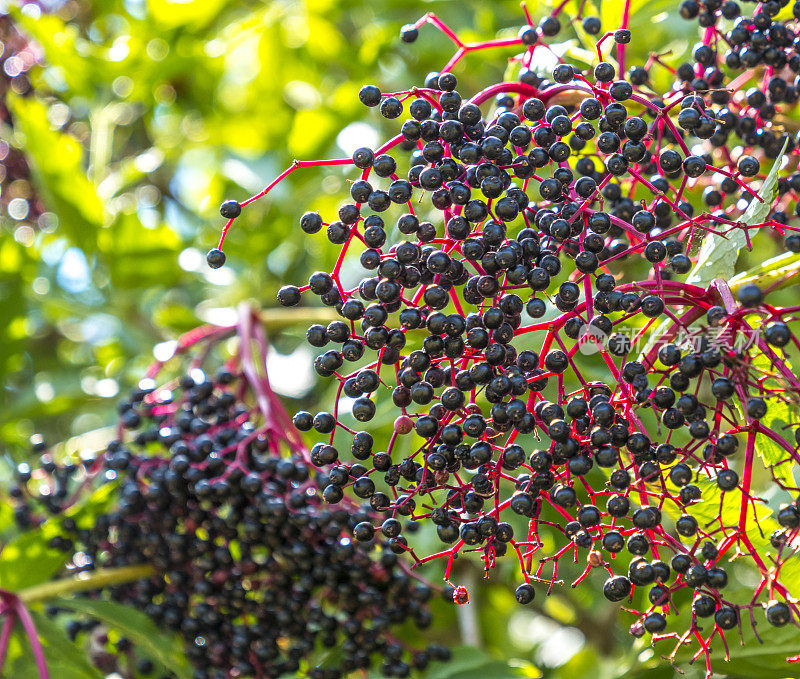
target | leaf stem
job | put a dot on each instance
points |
(626, 13)
(5, 634)
(33, 637)
(103, 577)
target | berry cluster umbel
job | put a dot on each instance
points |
(251, 566)
(521, 241)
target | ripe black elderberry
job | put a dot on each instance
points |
(525, 312)
(220, 497)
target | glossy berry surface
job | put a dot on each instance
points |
(535, 293)
(211, 487)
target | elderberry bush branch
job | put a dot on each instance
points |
(548, 225)
(217, 529)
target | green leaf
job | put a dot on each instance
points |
(172, 13)
(59, 648)
(176, 317)
(57, 162)
(774, 273)
(780, 413)
(753, 659)
(769, 451)
(710, 510)
(6, 517)
(60, 43)
(472, 663)
(757, 211)
(23, 668)
(162, 647)
(27, 560)
(645, 32)
(718, 254)
(99, 502)
(136, 256)
(20, 664)
(760, 524)
(65, 660)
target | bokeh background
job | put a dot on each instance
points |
(125, 124)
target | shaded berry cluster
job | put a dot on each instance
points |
(542, 318)
(250, 566)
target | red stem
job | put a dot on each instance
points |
(30, 631)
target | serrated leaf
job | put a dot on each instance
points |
(718, 254)
(759, 526)
(164, 648)
(772, 454)
(780, 413)
(757, 211)
(708, 511)
(756, 660)
(717, 258)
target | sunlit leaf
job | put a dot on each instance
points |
(718, 255)
(774, 273)
(28, 560)
(59, 42)
(780, 414)
(137, 256)
(174, 13)
(57, 162)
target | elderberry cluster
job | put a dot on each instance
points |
(250, 566)
(534, 300)
(755, 111)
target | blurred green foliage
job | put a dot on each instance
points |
(144, 116)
